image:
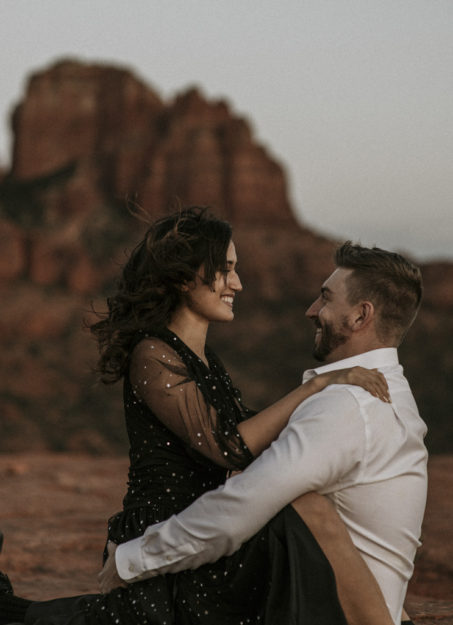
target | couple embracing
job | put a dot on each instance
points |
(320, 521)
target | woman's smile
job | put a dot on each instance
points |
(228, 299)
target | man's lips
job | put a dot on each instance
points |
(318, 330)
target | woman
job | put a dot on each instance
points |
(187, 428)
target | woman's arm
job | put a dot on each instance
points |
(161, 380)
(259, 431)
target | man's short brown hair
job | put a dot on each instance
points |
(389, 281)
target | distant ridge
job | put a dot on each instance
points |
(90, 138)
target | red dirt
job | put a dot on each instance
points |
(55, 509)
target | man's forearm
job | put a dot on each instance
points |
(216, 524)
(303, 459)
(168, 547)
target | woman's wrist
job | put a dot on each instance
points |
(317, 384)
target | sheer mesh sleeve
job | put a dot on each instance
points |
(161, 379)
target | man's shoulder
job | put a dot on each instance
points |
(334, 398)
(333, 415)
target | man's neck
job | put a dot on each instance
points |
(373, 359)
(352, 348)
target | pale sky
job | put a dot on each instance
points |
(353, 97)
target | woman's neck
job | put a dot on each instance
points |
(191, 330)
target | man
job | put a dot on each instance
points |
(367, 457)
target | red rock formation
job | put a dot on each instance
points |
(74, 112)
(86, 138)
(108, 122)
(438, 279)
(12, 244)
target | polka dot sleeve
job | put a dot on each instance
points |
(200, 410)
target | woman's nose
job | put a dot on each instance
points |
(234, 281)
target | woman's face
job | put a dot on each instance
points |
(215, 303)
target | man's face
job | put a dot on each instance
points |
(331, 314)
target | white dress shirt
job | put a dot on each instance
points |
(367, 456)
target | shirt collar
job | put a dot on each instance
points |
(374, 359)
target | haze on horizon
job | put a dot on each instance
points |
(353, 97)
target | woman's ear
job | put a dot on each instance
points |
(187, 286)
(364, 315)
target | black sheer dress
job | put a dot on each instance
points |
(182, 419)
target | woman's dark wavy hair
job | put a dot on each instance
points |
(170, 255)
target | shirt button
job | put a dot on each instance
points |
(131, 568)
(168, 558)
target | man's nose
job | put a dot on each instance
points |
(313, 310)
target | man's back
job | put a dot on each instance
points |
(382, 502)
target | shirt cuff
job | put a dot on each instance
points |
(129, 561)
(164, 548)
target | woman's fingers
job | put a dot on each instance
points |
(377, 385)
(108, 578)
(371, 380)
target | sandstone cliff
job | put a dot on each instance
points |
(88, 140)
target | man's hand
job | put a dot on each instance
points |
(108, 577)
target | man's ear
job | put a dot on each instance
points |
(364, 315)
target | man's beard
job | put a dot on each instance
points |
(329, 340)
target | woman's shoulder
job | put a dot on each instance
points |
(152, 347)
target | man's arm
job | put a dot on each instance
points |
(322, 446)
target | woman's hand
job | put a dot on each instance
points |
(370, 379)
(108, 578)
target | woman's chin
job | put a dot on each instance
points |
(226, 318)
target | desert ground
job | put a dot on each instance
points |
(55, 506)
